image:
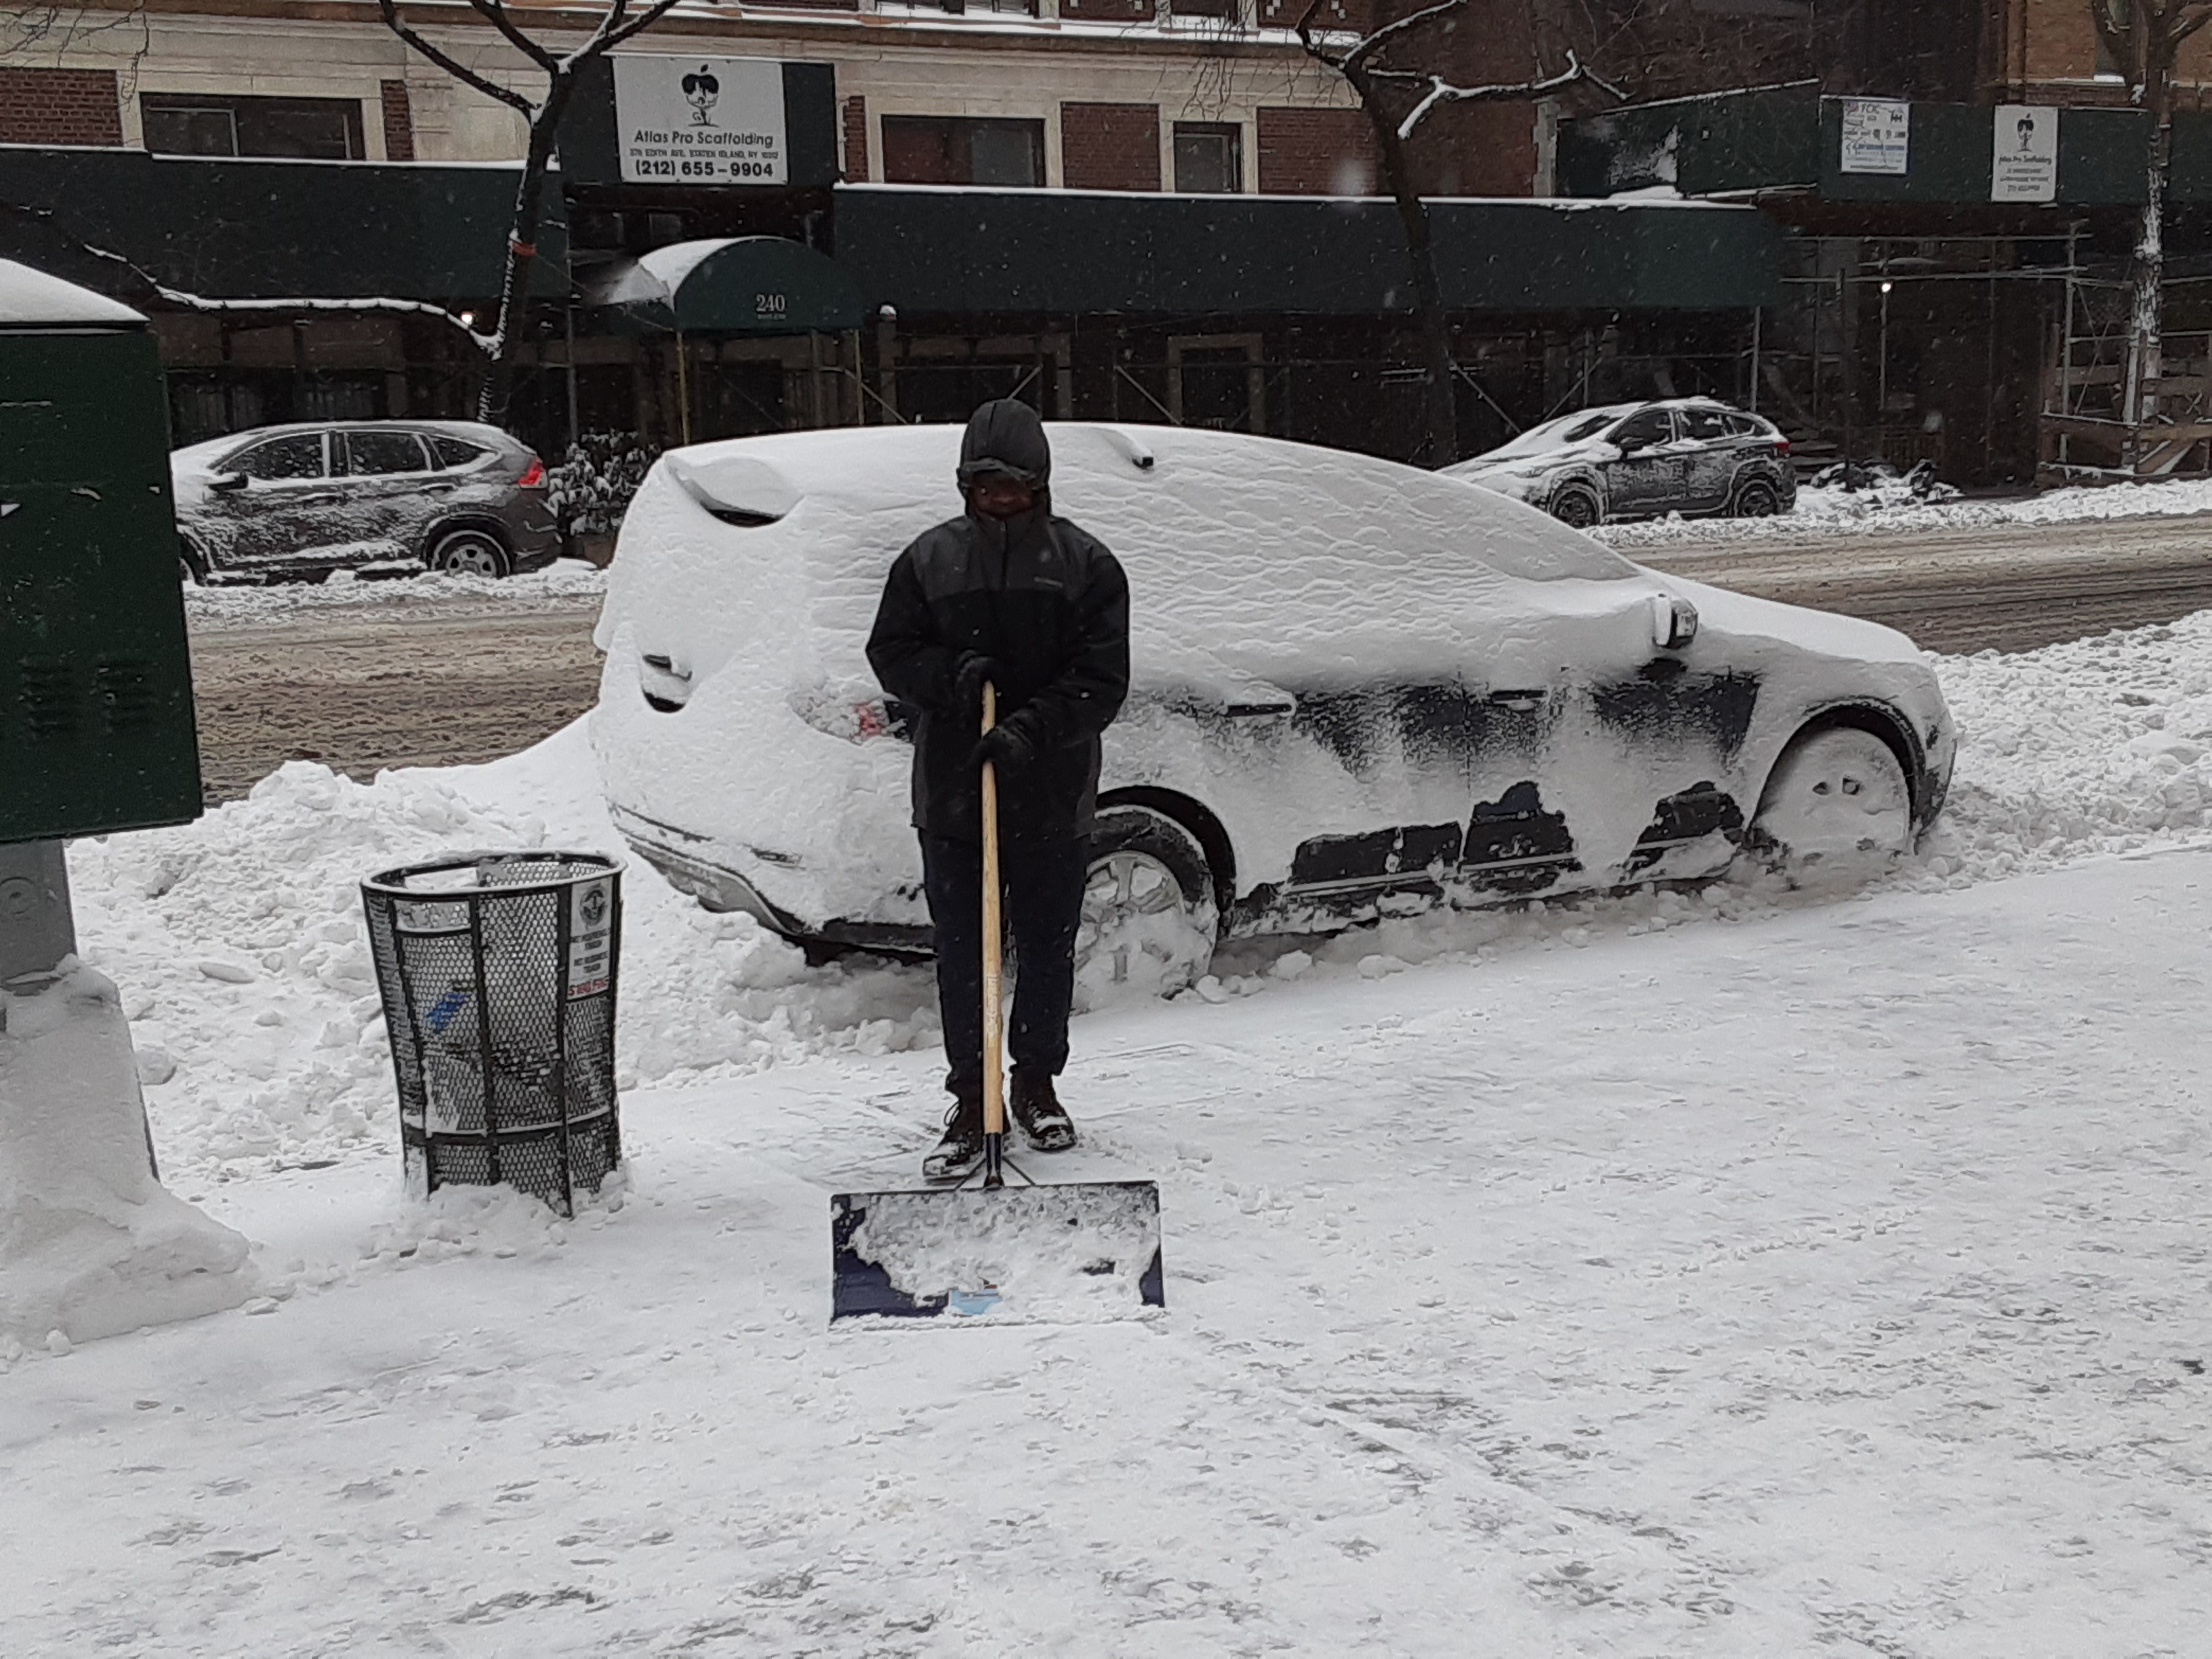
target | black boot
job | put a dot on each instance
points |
(961, 1150)
(1043, 1121)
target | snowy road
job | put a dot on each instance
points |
(1832, 1281)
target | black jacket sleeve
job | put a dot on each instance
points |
(1082, 699)
(904, 647)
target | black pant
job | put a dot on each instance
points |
(1043, 884)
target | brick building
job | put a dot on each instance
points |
(1158, 99)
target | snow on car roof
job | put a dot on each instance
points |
(211, 449)
(1244, 554)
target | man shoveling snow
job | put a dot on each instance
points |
(1011, 595)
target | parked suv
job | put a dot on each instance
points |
(303, 501)
(1357, 689)
(1687, 455)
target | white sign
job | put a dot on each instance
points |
(2024, 154)
(700, 121)
(591, 936)
(1877, 136)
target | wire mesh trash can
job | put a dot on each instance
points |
(497, 971)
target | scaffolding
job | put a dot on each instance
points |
(2088, 432)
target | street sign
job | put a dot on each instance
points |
(2024, 154)
(700, 121)
(1877, 136)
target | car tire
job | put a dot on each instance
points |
(1150, 918)
(191, 563)
(1756, 499)
(1837, 807)
(1576, 507)
(469, 552)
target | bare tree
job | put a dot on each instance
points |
(543, 114)
(1381, 67)
(2143, 38)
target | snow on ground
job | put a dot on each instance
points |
(1724, 1273)
(238, 946)
(1833, 1282)
(1889, 507)
(564, 579)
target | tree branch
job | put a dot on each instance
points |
(493, 12)
(459, 72)
(2190, 21)
(1375, 42)
(644, 20)
(1442, 92)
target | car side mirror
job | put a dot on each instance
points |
(1674, 621)
(1629, 446)
(229, 482)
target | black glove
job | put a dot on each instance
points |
(969, 674)
(1007, 748)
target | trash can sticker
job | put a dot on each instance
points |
(591, 936)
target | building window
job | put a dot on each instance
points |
(946, 149)
(198, 124)
(1217, 381)
(1209, 158)
(1221, 11)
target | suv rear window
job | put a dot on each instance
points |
(456, 451)
(1702, 423)
(300, 456)
(383, 451)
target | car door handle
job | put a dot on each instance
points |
(1520, 702)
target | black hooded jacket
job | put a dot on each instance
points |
(1044, 600)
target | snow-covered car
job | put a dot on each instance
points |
(1687, 455)
(300, 501)
(1358, 688)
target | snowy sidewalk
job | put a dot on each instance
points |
(1833, 1282)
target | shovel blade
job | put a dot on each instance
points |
(1064, 1255)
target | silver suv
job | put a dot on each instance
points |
(300, 501)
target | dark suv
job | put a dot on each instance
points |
(300, 502)
(1687, 455)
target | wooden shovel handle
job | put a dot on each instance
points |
(994, 1104)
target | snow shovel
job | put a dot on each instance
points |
(988, 1252)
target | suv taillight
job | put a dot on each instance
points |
(1782, 446)
(533, 475)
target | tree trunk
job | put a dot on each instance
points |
(1442, 445)
(498, 388)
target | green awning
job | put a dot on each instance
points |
(731, 285)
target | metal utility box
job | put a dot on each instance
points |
(96, 729)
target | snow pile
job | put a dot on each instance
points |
(1888, 506)
(2097, 745)
(90, 1244)
(241, 949)
(564, 579)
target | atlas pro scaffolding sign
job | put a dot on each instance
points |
(700, 121)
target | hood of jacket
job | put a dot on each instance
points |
(1005, 436)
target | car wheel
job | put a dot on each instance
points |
(1758, 499)
(191, 564)
(469, 553)
(1149, 914)
(1577, 509)
(1836, 806)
